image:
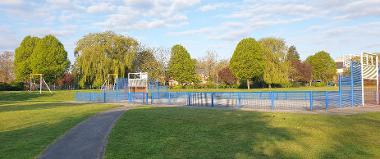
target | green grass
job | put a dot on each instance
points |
(210, 133)
(29, 122)
(257, 89)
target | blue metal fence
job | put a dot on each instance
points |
(348, 95)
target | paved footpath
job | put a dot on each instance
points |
(86, 140)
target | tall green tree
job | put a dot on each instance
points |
(322, 65)
(100, 54)
(276, 69)
(22, 60)
(181, 66)
(292, 54)
(49, 58)
(248, 60)
(147, 62)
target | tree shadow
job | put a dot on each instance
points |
(7, 107)
(21, 96)
(198, 133)
(28, 142)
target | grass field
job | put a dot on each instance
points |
(30, 121)
(258, 89)
(210, 133)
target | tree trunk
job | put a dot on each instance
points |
(270, 85)
(248, 84)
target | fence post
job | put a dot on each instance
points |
(169, 98)
(272, 99)
(147, 98)
(311, 100)
(238, 100)
(212, 99)
(151, 98)
(104, 96)
(327, 100)
(340, 90)
(352, 84)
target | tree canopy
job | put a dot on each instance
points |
(6, 67)
(248, 60)
(292, 54)
(100, 54)
(49, 58)
(181, 66)
(323, 66)
(276, 69)
(22, 60)
(146, 62)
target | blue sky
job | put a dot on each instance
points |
(336, 26)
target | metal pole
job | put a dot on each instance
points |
(361, 74)
(377, 79)
(41, 84)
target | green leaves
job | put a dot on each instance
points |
(45, 56)
(248, 59)
(100, 54)
(49, 58)
(181, 66)
(323, 66)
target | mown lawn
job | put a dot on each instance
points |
(257, 89)
(210, 133)
(29, 122)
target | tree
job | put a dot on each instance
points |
(248, 60)
(292, 54)
(207, 65)
(276, 69)
(22, 60)
(6, 67)
(49, 58)
(146, 62)
(100, 54)
(226, 76)
(181, 66)
(323, 66)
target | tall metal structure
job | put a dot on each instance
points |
(42, 82)
(370, 78)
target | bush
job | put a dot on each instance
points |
(320, 84)
(13, 86)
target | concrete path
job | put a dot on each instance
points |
(86, 140)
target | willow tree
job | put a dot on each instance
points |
(100, 54)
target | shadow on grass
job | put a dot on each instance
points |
(34, 106)
(196, 133)
(21, 96)
(30, 141)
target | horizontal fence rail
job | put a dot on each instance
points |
(297, 101)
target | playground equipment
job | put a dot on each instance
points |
(107, 84)
(370, 78)
(358, 87)
(34, 86)
(138, 82)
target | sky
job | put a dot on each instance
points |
(337, 26)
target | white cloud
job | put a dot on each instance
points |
(100, 7)
(214, 6)
(10, 2)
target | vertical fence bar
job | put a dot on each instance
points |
(151, 98)
(327, 100)
(212, 99)
(311, 100)
(340, 90)
(352, 83)
(104, 96)
(169, 98)
(272, 99)
(238, 100)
